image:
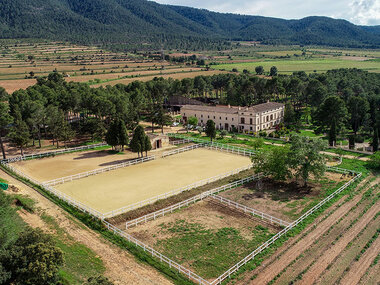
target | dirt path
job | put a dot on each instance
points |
(323, 262)
(359, 268)
(121, 267)
(269, 270)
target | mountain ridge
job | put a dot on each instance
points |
(133, 22)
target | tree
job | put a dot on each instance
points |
(210, 129)
(147, 145)
(332, 134)
(274, 163)
(289, 115)
(36, 117)
(374, 161)
(19, 133)
(305, 157)
(258, 143)
(117, 134)
(259, 70)
(5, 120)
(163, 119)
(3, 95)
(138, 143)
(375, 140)
(332, 111)
(273, 71)
(112, 135)
(192, 121)
(32, 259)
(358, 108)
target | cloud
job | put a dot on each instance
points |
(363, 12)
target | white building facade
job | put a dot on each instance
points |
(244, 119)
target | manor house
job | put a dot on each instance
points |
(244, 119)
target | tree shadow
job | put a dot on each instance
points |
(278, 191)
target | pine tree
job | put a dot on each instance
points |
(19, 133)
(138, 141)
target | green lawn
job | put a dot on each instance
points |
(288, 66)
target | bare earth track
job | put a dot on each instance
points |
(294, 252)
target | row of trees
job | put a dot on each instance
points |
(59, 110)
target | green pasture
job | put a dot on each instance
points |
(309, 65)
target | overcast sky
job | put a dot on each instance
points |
(361, 12)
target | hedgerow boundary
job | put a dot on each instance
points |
(174, 275)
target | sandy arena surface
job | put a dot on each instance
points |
(115, 189)
(50, 168)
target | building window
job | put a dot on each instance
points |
(232, 119)
(208, 117)
(202, 121)
(201, 116)
(250, 122)
(214, 117)
(220, 118)
(250, 128)
(271, 117)
(226, 119)
(242, 121)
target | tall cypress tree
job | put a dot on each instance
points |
(332, 133)
(375, 142)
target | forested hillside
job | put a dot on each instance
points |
(134, 23)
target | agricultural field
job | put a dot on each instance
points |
(206, 237)
(22, 63)
(340, 247)
(289, 59)
(288, 66)
(118, 188)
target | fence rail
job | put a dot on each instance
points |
(51, 153)
(266, 244)
(97, 171)
(180, 142)
(192, 200)
(252, 211)
(182, 149)
(174, 192)
(214, 144)
(172, 264)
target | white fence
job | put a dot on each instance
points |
(228, 148)
(57, 193)
(97, 171)
(180, 142)
(203, 195)
(182, 149)
(252, 211)
(52, 153)
(174, 192)
(216, 145)
(172, 264)
(266, 244)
